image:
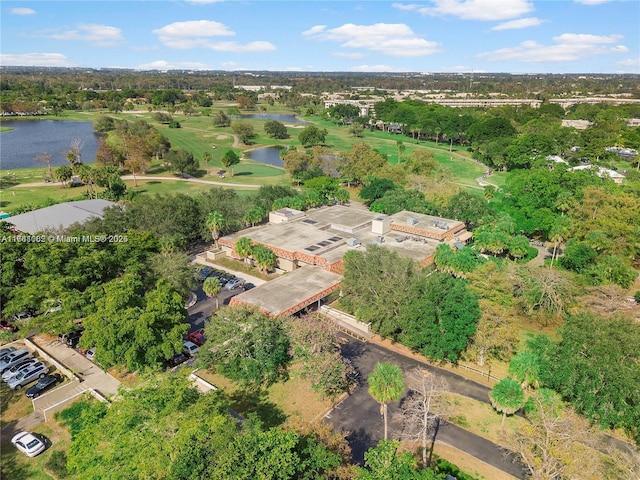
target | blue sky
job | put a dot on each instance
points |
(517, 36)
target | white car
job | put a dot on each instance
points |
(17, 368)
(28, 444)
(190, 348)
(28, 375)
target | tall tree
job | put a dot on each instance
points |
(264, 257)
(215, 221)
(230, 159)
(424, 407)
(45, 158)
(211, 288)
(244, 248)
(386, 384)
(507, 397)
(244, 131)
(247, 346)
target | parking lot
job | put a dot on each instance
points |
(204, 305)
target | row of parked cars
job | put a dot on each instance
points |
(226, 280)
(19, 368)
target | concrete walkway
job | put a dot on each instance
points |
(146, 177)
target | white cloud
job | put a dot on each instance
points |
(22, 11)
(194, 28)
(354, 55)
(630, 62)
(164, 65)
(567, 47)
(487, 10)
(520, 23)
(95, 34)
(397, 40)
(196, 33)
(591, 2)
(35, 59)
(315, 30)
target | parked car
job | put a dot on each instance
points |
(18, 368)
(72, 338)
(197, 337)
(6, 351)
(13, 358)
(24, 316)
(177, 359)
(91, 354)
(247, 286)
(226, 278)
(234, 283)
(44, 384)
(28, 375)
(204, 273)
(4, 325)
(190, 348)
(28, 443)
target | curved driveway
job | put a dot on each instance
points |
(359, 413)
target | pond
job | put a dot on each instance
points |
(267, 155)
(280, 117)
(31, 138)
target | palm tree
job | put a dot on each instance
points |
(214, 222)
(244, 247)
(211, 288)
(386, 384)
(507, 397)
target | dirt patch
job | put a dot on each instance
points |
(222, 137)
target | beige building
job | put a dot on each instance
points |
(321, 237)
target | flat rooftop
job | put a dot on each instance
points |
(59, 216)
(292, 292)
(325, 232)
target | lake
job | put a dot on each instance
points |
(280, 117)
(268, 155)
(30, 138)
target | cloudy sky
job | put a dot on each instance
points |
(518, 36)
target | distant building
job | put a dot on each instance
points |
(59, 216)
(601, 172)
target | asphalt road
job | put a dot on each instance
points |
(360, 415)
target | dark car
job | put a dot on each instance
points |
(44, 384)
(72, 338)
(224, 279)
(247, 286)
(177, 359)
(197, 337)
(204, 273)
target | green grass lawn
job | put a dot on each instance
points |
(198, 135)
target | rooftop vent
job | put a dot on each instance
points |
(411, 221)
(440, 224)
(353, 242)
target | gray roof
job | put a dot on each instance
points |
(291, 292)
(59, 216)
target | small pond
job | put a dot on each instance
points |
(267, 155)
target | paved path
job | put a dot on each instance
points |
(360, 413)
(146, 177)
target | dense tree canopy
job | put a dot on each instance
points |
(247, 346)
(435, 314)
